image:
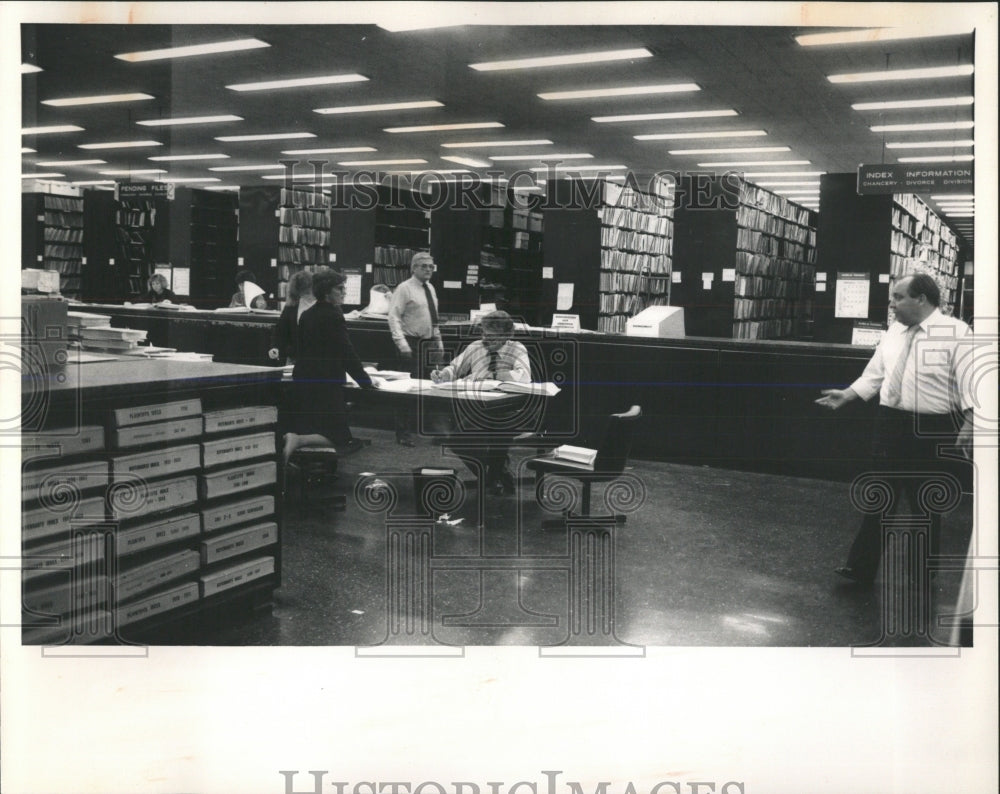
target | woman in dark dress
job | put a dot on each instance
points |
(323, 357)
(158, 290)
(300, 299)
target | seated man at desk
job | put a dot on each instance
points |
(494, 357)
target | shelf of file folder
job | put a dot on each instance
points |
(769, 329)
(754, 197)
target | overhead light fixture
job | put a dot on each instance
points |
(105, 99)
(469, 161)
(51, 129)
(119, 145)
(270, 136)
(539, 156)
(957, 158)
(133, 172)
(744, 163)
(929, 144)
(543, 169)
(30, 68)
(180, 157)
(338, 150)
(952, 196)
(969, 207)
(268, 167)
(404, 22)
(188, 120)
(223, 187)
(685, 114)
(744, 150)
(935, 125)
(93, 182)
(188, 179)
(685, 136)
(26, 150)
(636, 90)
(878, 35)
(473, 125)
(301, 176)
(494, 144)
(412, 161)
(41, 175)
(903, 74)
(212, 48)
(961, 214)
(805, 183)
(563, 60)
(764, 174)
(299, 82)
(907, 104)
(70, 163)
(379, 108)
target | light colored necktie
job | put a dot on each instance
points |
(894, 389)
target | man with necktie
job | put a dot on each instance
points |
(916, 371)
(413, 317)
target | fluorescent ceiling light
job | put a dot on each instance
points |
(679, 136)
(929, 144)
(193, 49)
(340, 150)
(469, 161)
(412, 161)
(543, 169)
(268, 167)
(404, 22)
(131, 172)
(223, 187)
(69, 163)
(636, 90)
(293, 176)
(94, 182)
(26, 150)
(189, 179)
(426, 103)
(51, 129)
(961, 214)
(878, 35)
(179, 157)
(788, 184)
(119, 145)
(271, 136)
(783, 173)
(906, 104)
(969, 207)
(958, 158)
(492, 144)
(41, 175)
(540, 156)
(30, 68)
(563, 60)
(952, 196)
(95, 100)
(299, 82)
(685, 114)
(902, 74)
(936, 125)
(746, 150)
(743, 163)
(472, 125)
(188, 120)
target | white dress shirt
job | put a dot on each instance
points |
(474, 363)
(935, 377)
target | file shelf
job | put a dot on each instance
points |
(52, 237)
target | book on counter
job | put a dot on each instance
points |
(582, 455)
(230, 419)
(122, 417)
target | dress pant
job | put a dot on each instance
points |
(406, 418)
(905, 447)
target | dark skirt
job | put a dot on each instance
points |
(317, 408)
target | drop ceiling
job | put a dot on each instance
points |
(774, 85)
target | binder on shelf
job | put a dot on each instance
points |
(86, 549)
(146, 497)
(155, 534)
(80, 477)
(233, 513)
(44, 522)
(74, 596)
(156, 433)
(236, 575)
(243, 478)
(240, 418)
(237, 448)
(124, 417)
(62, 442)
(238, 542)
(133, 581)
(157, 463)
(169, 599)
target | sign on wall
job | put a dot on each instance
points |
(915, 178)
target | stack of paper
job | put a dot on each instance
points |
(572, 454)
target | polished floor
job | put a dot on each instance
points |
(706, 557)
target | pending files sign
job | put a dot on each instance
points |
(916, 178)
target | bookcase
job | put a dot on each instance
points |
(202, 236)
(402, 227)
(744, 261)
(135, 223)
(613, 243)
(52, 237)
(876, 238)
(148, 516)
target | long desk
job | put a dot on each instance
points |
(716, 402)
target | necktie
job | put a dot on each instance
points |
(894, 389)
(430, 305)
(494, 363)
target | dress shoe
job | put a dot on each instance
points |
(852, 576)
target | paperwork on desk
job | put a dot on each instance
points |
(511, 387)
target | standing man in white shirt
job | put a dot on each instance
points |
(917, 372)
(413, 316)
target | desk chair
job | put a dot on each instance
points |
(612, 456)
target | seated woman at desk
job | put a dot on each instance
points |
(494, 357)
(239, 299)
(323, 357)
(300, 298)
(158, 290)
